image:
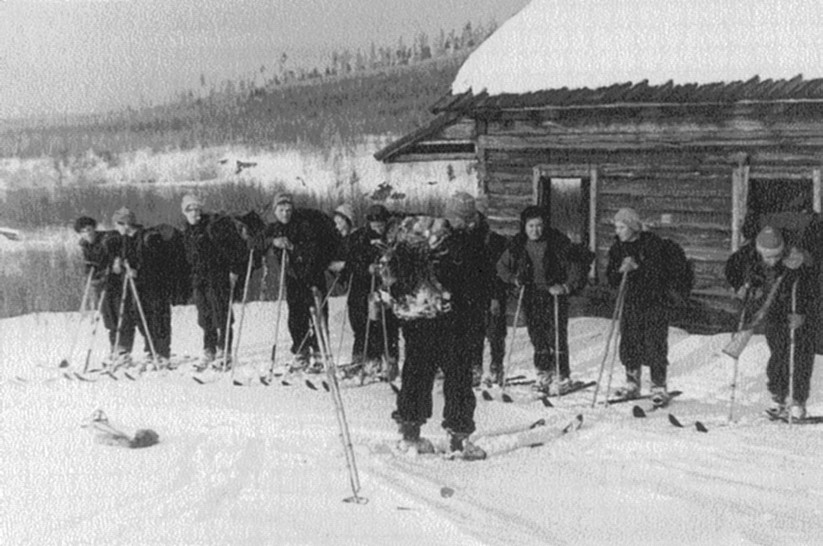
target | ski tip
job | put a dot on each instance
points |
(285, 383)
(237, 383)
(395, 388)
(538, 423)
(487, 396)
(546, 402)
(129, 376)
(265, 381)
(673, 420)
(200, 381)
(326, 386)
(638, 412)
(700, 427)
(63, 364)
(507, 399)
(310, 385)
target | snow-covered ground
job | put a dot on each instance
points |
(265, 465)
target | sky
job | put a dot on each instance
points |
(69, 56)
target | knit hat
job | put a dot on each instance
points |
(769, 241)
(377, 213)
(124, 216)
(191, 201)
(346, 212)
(630, 218)
(283, 197)
(461, 205)
(83, 222)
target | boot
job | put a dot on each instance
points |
(797, 411)
(461, 448)
(544, 381)
(660, 396)
(411, 440)
(391, 371)
(631, 389)
(777, 410)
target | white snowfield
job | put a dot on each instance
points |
(265, 465)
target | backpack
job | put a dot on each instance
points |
(168, 254)
(236, 236)
(678, 272)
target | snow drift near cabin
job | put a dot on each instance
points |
(264, 465)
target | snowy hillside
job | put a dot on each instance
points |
(264, 465)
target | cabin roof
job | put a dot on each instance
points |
(753, 90)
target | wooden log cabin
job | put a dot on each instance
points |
(704, 164)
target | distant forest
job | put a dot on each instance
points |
(385, 90)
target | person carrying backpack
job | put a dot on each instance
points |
(214, 270)
(310, 242)
(778, 285)
(644, 328)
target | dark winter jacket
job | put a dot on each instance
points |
(745, 267)
(486, 247)
(315, 243)
(97, 255)
(561, 262)
(207, 252)
(646, 286)
(361, 251)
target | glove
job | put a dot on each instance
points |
(494, 308)
(558, 290)
(628, 265)
(374, 269)
(795, 259)
(796, 320)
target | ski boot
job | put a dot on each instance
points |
(778, 409)
(391, 370)
(631, 390)
(461, 448)
(797, 411)
(544, 381)
(412, 442)
(660, 396)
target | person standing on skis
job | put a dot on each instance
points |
(770, 266)
(97, 260)
(644, 327)
(539, 261)
(212, 275)
(364, 248)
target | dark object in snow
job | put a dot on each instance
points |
(106, 434)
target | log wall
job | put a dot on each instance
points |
(678, 170)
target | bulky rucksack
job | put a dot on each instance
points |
(678, 272)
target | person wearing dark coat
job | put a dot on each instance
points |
(213, 269)
(495, 244)
(768, 266)
(303, 235)
(539, 261)
(446, 341)
(644, 327)
(362, 256)
(97, 260)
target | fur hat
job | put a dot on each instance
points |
(124, 216)
(769, 240)
(377, 213)
(283, 197)
(191, 201)
(83, 222)
(629, 218)
(461, 205)
(346, 212)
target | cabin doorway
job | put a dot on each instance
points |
(567, 200)
(785, 204)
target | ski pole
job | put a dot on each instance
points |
(616, 346)
(792, 349)
(740, 323)
(334, 389)
(65, 362)
(618, 304)
(121, 312)
(368, 319)
(281, 291)
(508, 367)
(97, 314)
(141, 313)
(325, 301)
(227, 330)
(556, 299)
(390, 372)
(343, 319)
(243, 308)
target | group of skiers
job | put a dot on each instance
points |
(471, 271)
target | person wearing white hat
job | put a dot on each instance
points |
(777, 282)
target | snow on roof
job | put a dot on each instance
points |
(590, 43)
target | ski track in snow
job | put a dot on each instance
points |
(265, 465)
